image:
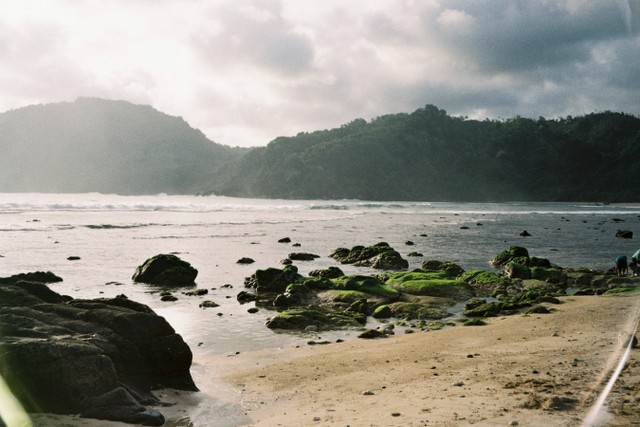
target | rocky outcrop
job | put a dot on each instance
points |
(380, 256)
(166, 270)
(99, 358)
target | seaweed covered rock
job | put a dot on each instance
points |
(99, 358)
(515, 254)
(485, 282)
(365, 284)
(299, 319)
(166, 270)
(454, 270)
(380, 256)
(273, 280)
(328, 273)
(429, 283)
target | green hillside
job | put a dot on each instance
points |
(104, 146)
(428, 155)
(94, 145)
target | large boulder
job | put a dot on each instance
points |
(98, 358)
(166, 270)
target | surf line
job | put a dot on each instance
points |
(593, 417)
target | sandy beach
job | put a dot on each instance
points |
(536, 370)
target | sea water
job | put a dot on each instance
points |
(114, 234)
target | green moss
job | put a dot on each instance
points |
(301, 318)
(433, 283)
(382, 312)
(624, 290)
(483, 277)
(410, 310)
(538, 309)
(345, 296)
(366, 284)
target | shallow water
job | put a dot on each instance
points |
(112, 235)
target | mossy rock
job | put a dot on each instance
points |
(359, 253)
(382, 312)
(436, 284)
(539, 262)
(335, 295)
(485, 282)
(482, 309)
(454, 270)
(435, 308)
(328, 273)
(548, 274)
(317, 283)
(623, 290)
(273, 280)
(359, 306)
(366, 284)
(514, 253)
(299, 319)
(538, 309)
(372, 334)
(165, 270)
(515, 270)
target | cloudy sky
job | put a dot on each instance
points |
(245, 72)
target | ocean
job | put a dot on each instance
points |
(113, 234)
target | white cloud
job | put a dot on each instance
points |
(247, 71)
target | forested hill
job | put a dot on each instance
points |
(430, 156)
(105, 146)
(94, 145)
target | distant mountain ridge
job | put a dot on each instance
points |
(95, 145)
(104, 146)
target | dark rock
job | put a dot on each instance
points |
(166, 270)
(208, 304)
(273, 280)
(286, 261)
(299, 319)
(253, 310)
(451, 268)
(245, 260)
(514, 253)
(302, 256)
(296, 245)
(382, 312)
(359, 253)
(197, 293)
(414, 254)
(37, 276)
(284, 240)
(245, 297)
(169, 298)
(371, 334)
(73, 258)
(328, 273)
(624, 234)
(99, 358)
(409, 243)
(525, 233)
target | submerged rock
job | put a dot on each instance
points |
(165, 270)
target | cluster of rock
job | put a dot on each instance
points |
(328, 299)
(99, 358)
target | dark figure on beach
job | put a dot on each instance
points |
(635, 263)
(621, 265)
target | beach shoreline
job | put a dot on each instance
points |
(542, 369)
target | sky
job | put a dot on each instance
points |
(247, 71)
